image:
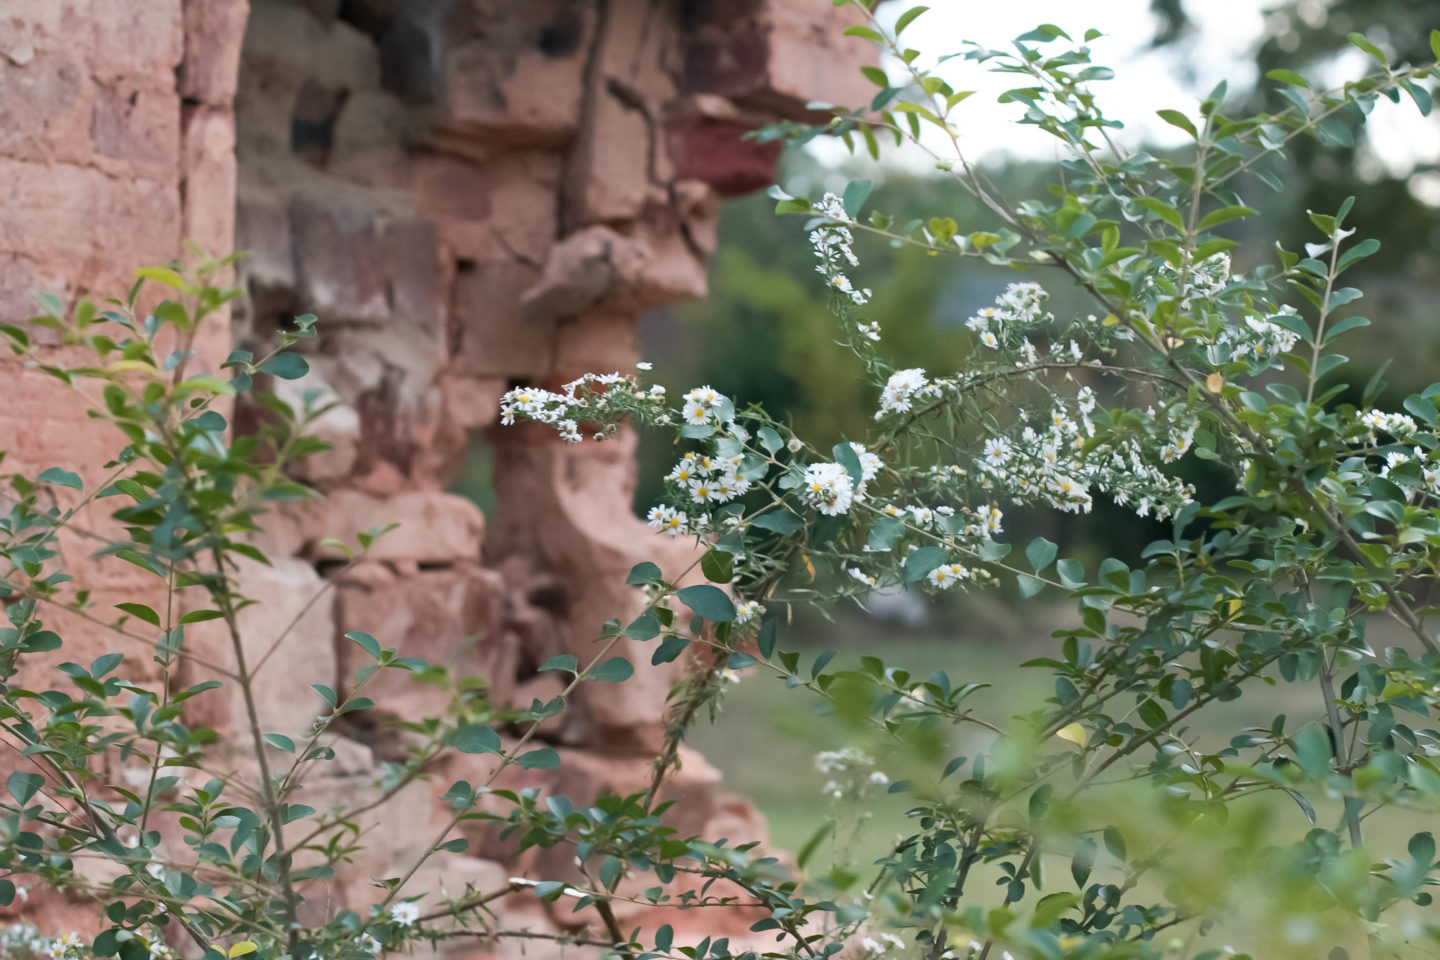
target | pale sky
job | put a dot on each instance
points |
(1146, 80)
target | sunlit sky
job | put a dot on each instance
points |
(1178, 77)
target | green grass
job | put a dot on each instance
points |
(765, 740)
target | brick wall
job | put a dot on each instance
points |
(469, 193)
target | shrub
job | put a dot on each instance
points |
(1105, 822)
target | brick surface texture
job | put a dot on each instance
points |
(468, 194)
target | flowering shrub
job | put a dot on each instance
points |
(1104, 822)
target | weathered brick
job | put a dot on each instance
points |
(138, 125)
(45, 98)
(214, 30)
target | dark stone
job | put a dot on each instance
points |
(412, 52)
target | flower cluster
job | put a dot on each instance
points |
(600, 398)
(1019, 309)
(855, 767)
(1052, 466)
(832, 246)
(1258, 341)
(1398, 425)
(901, 390)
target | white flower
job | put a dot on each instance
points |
(368, 943)
(997, 451)
(728, 675)
(990, 340)
(900, 388)
(828, 488)
(748, 610)
(794, 445)
(405, 913)
(862, 576)
(946, 575)
(880, 780)
(643, 365)
(870, 463)
(695, 413)
(702, 491)
(668, 520)
(706, 396)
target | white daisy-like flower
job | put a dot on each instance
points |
(990, 340)
(997, 451)
(406, 913)
(703, 491)
(695, 413)
(828, 488)
(945, 576)
(900, 388)
(644, 365)
(748, 610)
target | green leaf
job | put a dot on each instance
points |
(1040, 553)
(904, 21)
(645, 627)
(1162, 210)
(325, 692)
(614, 670)
(561, 661)
(858, 30)
(1358, 40)
(770, 440)
(876, 76)
(1288, 76)
(474, 738)
(644, 573)
(1177, 119)
(60, 478)
(1224, 215)
(1072, 573)
(542, 759)
(845, 456)
(778, 521)
(286, 366)
(718, 566)
(200, 616)
(281, 742)
(670, 648)
(920, 562)
(162, 275)
(141, 612)
(856, 192)
(23, 785)
(708, 602)
(366, 642)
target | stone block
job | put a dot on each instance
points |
(294, 607)
(354, 268)
(450, 617)
(48, 213)
(495, 337)
(712, 149)
(45, 97)
(490, 209)
(214, 32)
(137, 125)
(514, 74)
(775, 55)
(434, 527)
(209, 180)
(140, 41)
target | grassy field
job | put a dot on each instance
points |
(766, 738)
